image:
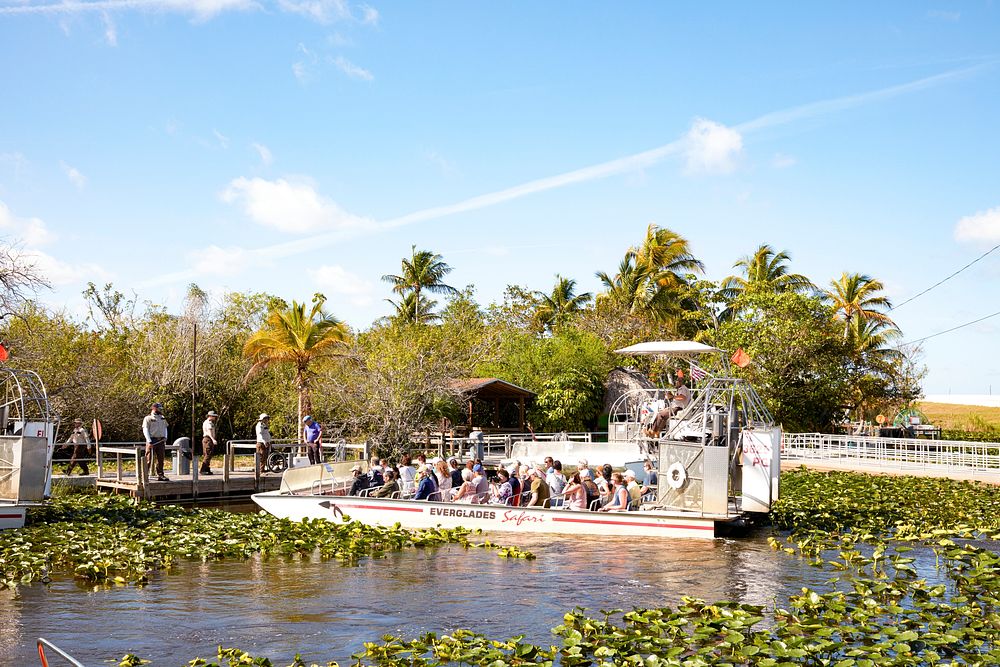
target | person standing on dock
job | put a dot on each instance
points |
(80, 442)
(209, 441)
(263, 430)
(154, 428)
(314, 439)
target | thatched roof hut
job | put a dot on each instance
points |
(620, 382)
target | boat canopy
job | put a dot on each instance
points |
(671, 348)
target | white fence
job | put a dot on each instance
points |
(894, 453)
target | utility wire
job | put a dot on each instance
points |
(941, 282)
(941, 333)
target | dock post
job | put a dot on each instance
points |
(141, 474)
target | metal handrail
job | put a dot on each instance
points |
(897, 453)
(42, 643)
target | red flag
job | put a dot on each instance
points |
(4, 355)
(741, 358)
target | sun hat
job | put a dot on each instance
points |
(630, 473)
(356, 466)
(156, 405)
(212, 413)
(263, 416)
(477, 468)
(585, 473)
(77, 421)
(534, 471)
(307, 418)
(582, 463)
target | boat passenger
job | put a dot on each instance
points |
(649, 481)
(603, 479)
(582, 465)
(634, 490)
(360, 482)
(515, 486)
(390, 486)
(456, 473)
(503, 490)
(663, 416)
(575, 493)
(539, 489)
(426, 486)
(682, 395)
(593, 492)
(407, 473)
(619, 495)
(443, 478)
(376, 474)
(466, 492)
(482, 483)
(555, 478)
(421, 460)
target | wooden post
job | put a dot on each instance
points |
(520, 406)
(141, 473)
(496, 411)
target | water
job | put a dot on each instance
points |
(326, 611)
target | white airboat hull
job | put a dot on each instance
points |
(429, 514)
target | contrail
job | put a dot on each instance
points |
(601, 170)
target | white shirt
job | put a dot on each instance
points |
(154, 427)
(682, 396)
(208, 430)
(79, 436)
(263, 433)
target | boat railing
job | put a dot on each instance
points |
(337, 450)
(894, 453)
(44, 644)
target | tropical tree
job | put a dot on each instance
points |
(630, 287)
(424, 271)
(764, 270)
(667, 256)
(561, 304)
(298, 338)
(858, 297)
(414, 308)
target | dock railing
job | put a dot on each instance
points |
(338, 450)
(894, 453)
(136, 451)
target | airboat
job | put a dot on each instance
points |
(27, 431)
(718, 467)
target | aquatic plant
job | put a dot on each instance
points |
(117, 540)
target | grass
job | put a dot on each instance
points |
(964, 422)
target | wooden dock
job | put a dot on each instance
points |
(237, 484)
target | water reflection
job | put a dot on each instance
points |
(326, 611)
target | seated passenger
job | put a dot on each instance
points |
(649, 481)
(515, 487)
(603, 479)
(466, 492)
(390, 486)
(555, 478)
(360, 482)
(482, 484)
(575, 493)
(502, 490)
(593, 492)
(442, 475)
(539, 489)
(663, 417)
(426, 486)
(634, 490)
(619, 495)
(456, 473)
(407, 474)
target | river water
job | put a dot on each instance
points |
(325, 611)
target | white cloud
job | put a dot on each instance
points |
(782, 161)
(352, 70)
(78, 180)
(712, 147)
(291, 207)
(221, 138)
(201, 10)
(300, 72)
(264, 153)
(16, 161)
(59, 272)
(337, 280)
(446, 166)
(29, 231)
(322, 11)
(110, 30)
(369, 15)
(983, 226)
(213, 260)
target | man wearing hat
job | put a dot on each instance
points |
(80, 442)
(209, 441)
(154, 429)
(263, 430)
(313, 434)
(539, 489)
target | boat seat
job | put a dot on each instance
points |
(557, 501)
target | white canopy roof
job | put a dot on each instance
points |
(672, 348)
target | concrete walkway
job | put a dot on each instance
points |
(895, 469)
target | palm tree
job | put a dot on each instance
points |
(856, 296)
(407, 309)
(424, 271)
(629, 288)
(764, 269)
(561, 304)
(875, 338)
(667, 256)
(293, 336)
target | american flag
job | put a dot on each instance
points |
(697, 372)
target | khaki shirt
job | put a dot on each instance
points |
(79, 436)
(154, 427)
(208, 430)
(263, 433)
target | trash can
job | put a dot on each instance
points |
(182, 456)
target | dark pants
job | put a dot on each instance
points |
(314, 452)
(263, 451)
(158, 449)
(206, 448)
(79, 452)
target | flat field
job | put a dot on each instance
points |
(961, 417)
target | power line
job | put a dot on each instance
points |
(941, 282)
(941, 333)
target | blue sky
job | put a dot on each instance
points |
(304, 145)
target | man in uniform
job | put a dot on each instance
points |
(209, 441)
(314, 438)
(80, 442)
(263, 440)
(154, 428)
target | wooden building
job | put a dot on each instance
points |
(494, 405)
